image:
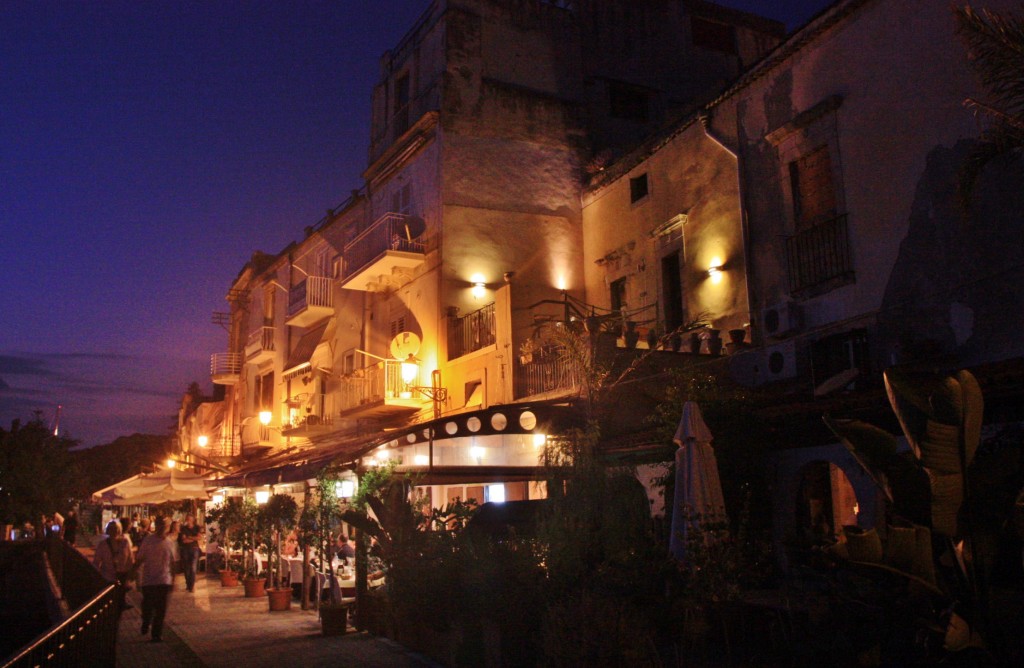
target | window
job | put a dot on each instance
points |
(268, 306)
(348, 361)
(265, 392)
(814, 197)
(401, 117)
(712, 35)
(846, 353)
(627, 102)
(401, 200)
(638, 188)
(618, 294)
(397, 326)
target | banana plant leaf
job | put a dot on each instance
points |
(941, 418)
(900, 477)
(873, 448)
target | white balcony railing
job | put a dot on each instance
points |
(261, 340)
(314, 292)
(225, 367)
(390, 232)
(379, 383)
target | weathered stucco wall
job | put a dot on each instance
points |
(691, 175)
(901, 74)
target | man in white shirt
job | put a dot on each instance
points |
(156, 554)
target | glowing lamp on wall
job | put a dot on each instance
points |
(715, 270)
(171, 463)
(477, 453)
(203, 440)
(265, 417)
(421, 460)
(262, 496)
(479, 288)
(410, 369)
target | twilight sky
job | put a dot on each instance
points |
(146, 150)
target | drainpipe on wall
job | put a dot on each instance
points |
(705, 123)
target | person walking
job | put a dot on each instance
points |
(156, 555)
(188, 548)
(70, 529)
(114, 560)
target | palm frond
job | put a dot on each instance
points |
(995, 48)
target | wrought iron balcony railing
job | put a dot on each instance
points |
(471, 332)
(819, 255)
(391, 232)
(545, 373)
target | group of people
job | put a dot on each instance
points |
(161, 544)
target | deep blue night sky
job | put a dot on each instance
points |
(146, 150)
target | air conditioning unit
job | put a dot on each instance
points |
(781, 319)
(780, 361)
(756, 367)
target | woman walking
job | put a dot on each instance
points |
(156, 555)
(114, 560)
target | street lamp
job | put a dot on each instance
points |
(203, 440)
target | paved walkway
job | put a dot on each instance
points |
(218, 626)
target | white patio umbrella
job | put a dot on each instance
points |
(698, 494)
(160, 487)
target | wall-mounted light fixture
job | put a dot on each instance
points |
(715, 270)
(411, 371)
(345, 489)
(479, 288)
(203, 440)
(265, 417)
(262, 496)
(171, 463)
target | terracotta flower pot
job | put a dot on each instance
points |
(279, 599)
(255, 587)
(228, 579)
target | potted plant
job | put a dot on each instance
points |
(278, 515)
(318, 518)
(230, 516)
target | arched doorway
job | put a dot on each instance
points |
(825, 502)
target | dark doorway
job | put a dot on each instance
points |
(672, 291)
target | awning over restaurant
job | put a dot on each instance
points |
(154, 488)
(296, 467)
(298, 360)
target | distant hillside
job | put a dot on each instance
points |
(103, 465)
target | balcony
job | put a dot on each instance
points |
(310, 425)
(473, 331)
(391, 244)
(225, 367)
(378, 391)
(310, 301)
(819, 258)
(260, 344)
(546, 374)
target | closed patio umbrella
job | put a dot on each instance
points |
(698, 493)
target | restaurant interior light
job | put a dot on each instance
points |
(496, 493)
(421, 460)
(203, 440)
(477, 453)
(345, 489)
(217, 499)
(262, 496)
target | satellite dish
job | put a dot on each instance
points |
(404, 344)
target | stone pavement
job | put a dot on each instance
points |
(218, 626)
